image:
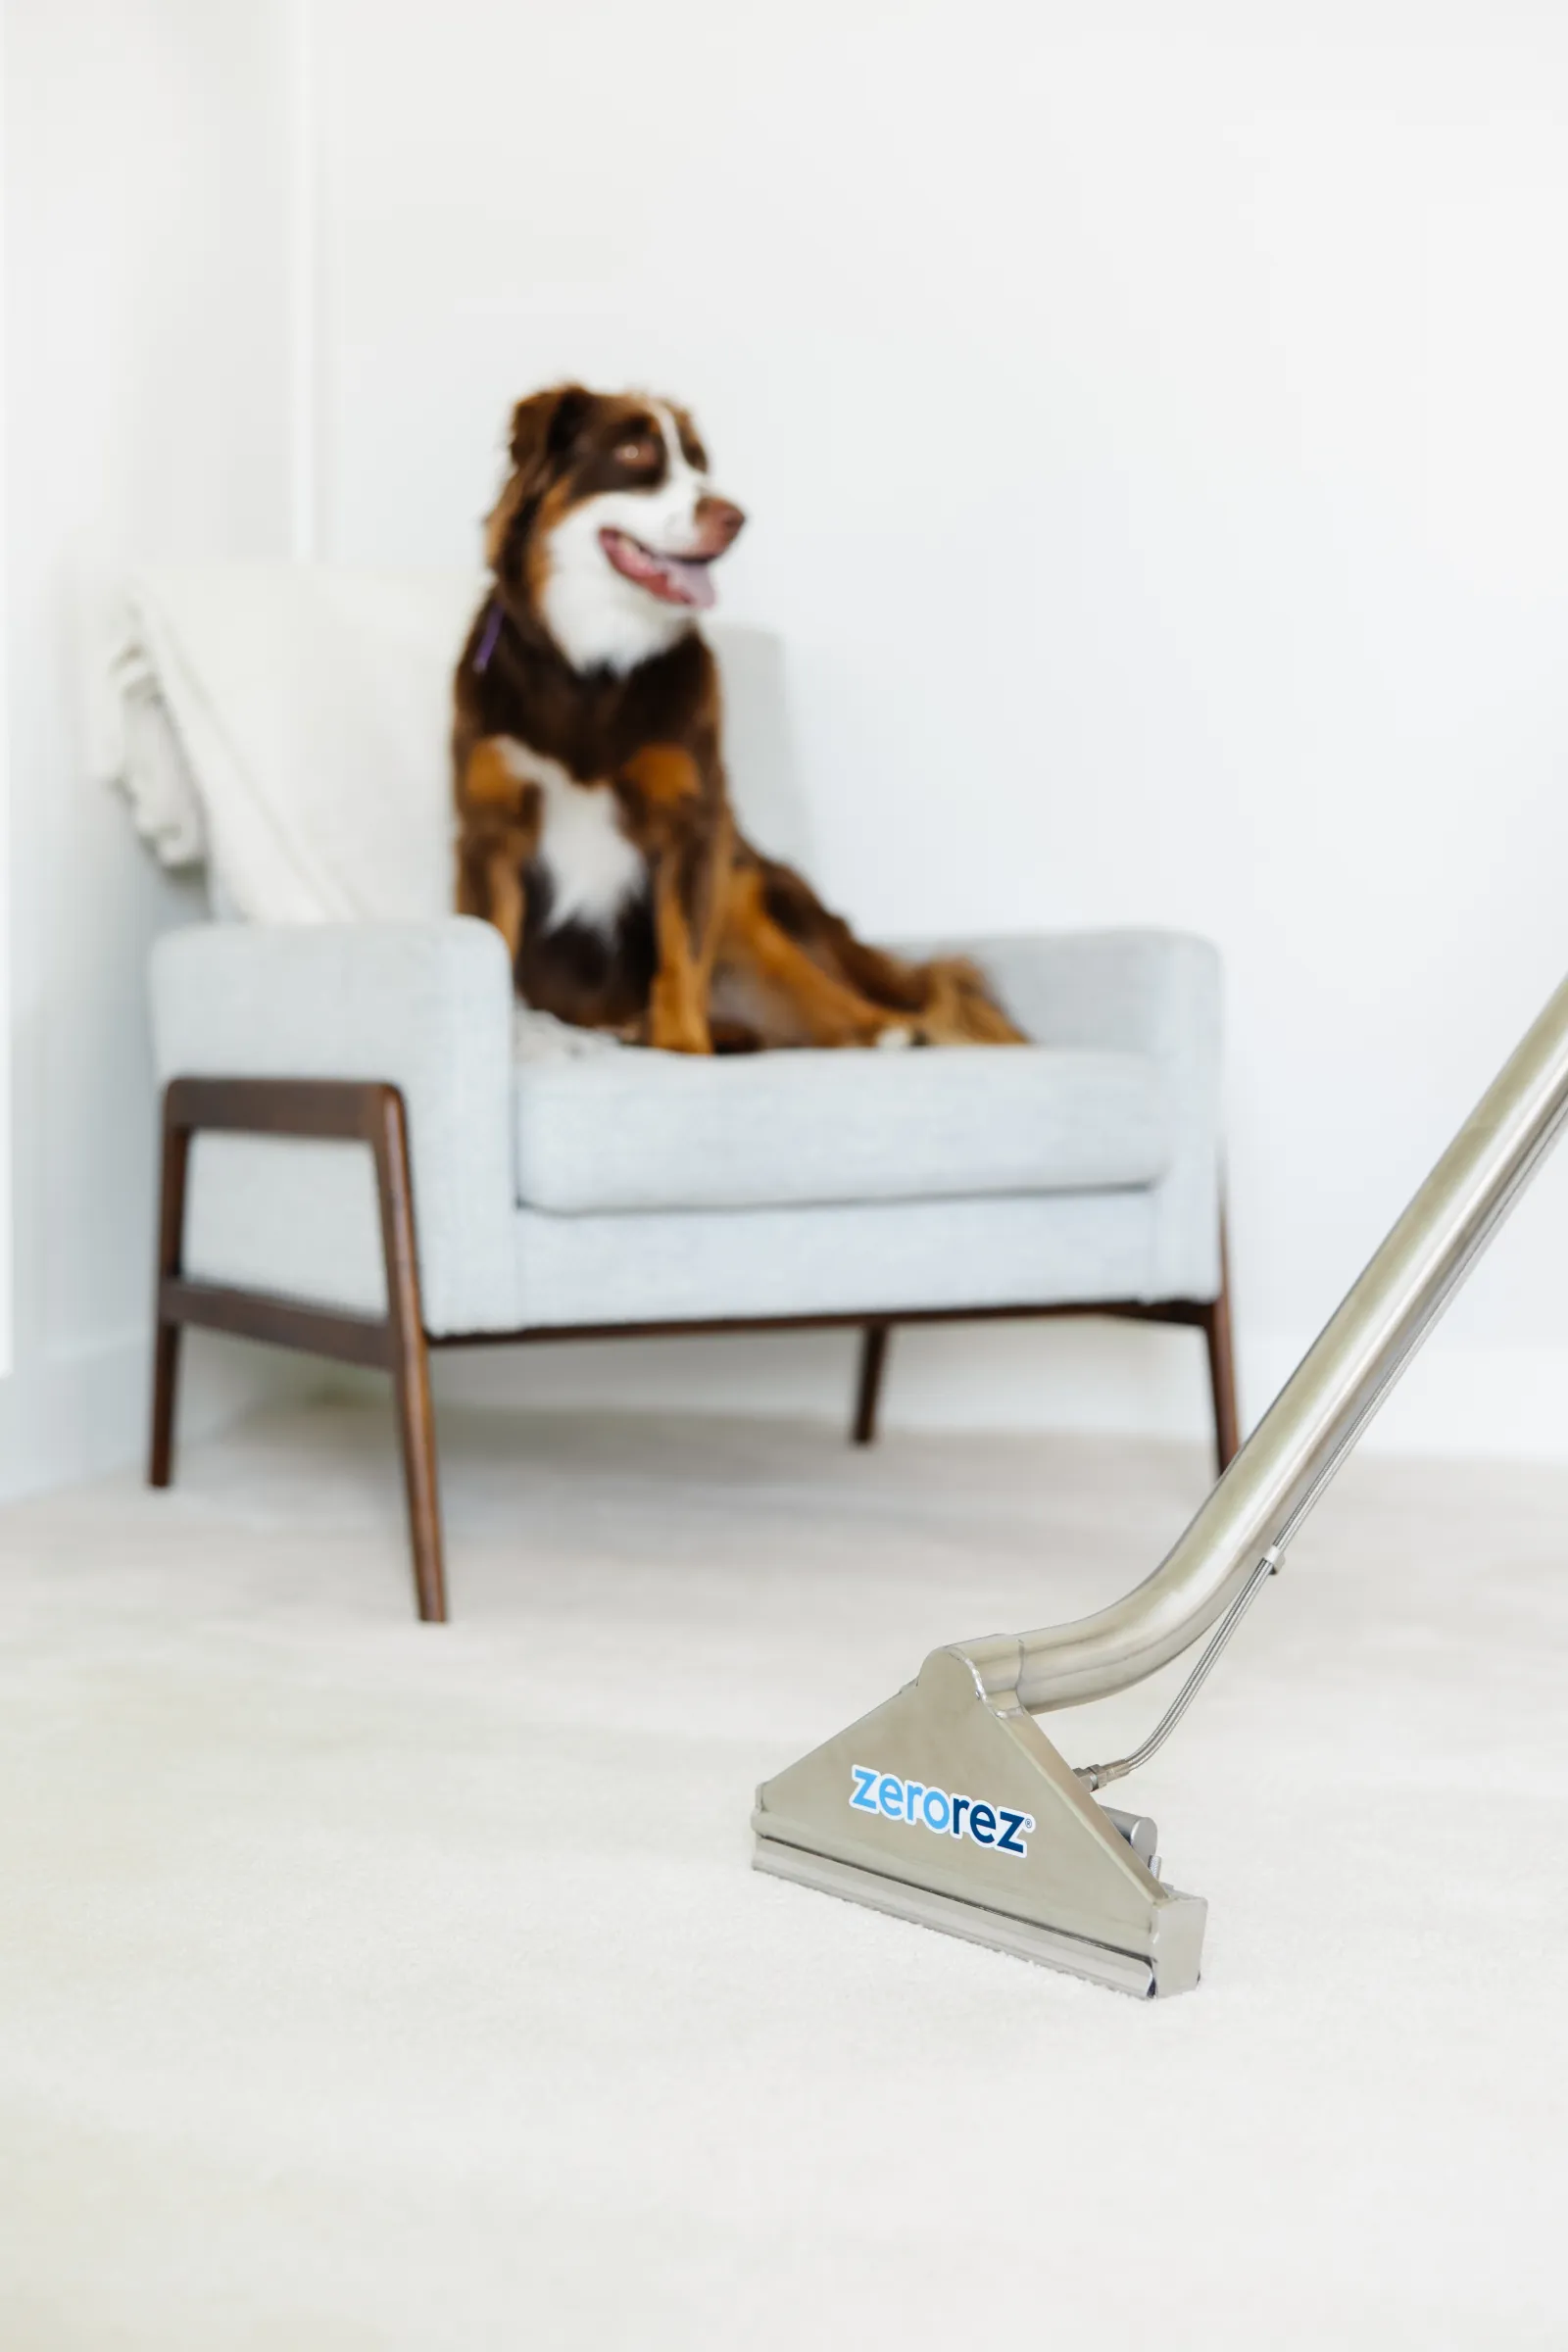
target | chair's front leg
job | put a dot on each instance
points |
(173, 1169)
(411, 1359)
(367, 1111)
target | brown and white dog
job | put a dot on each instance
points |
(594, 826)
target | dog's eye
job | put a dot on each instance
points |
(635, 452)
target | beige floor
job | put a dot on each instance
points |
(369, 1986)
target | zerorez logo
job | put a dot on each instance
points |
(893, 1799)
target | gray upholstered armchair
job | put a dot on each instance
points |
(357, 1162)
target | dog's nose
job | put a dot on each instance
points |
(719, 523)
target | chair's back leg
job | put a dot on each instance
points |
(167, 1336)
(411, 1361)
(869, 1389)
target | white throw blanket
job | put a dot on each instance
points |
(288, 724)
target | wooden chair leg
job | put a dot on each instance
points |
(417, 1437)
(167, 1336)
(869, 1389)
(166, 1388)
(1222, 1366)
(411, 1361)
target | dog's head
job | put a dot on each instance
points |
(607, 527)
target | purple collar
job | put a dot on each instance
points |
(490, 639)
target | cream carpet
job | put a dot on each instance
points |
(370, 1985)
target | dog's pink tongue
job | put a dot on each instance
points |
(690, 581)
(672, 578)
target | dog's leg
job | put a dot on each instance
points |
(509, 899)
(491, 864)
(946, 1000)
(689, 849)
(960, 1009)
(827, 1011)
(952, 1005)
(677, 1003)
(499, 813)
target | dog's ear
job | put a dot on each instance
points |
(544, 428)
(546, 425)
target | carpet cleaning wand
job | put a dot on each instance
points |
(947, 1805)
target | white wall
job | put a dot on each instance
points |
(148, 162)
(5, 1235)
(1151, 425)
(1151, 422)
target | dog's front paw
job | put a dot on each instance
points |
(894, 1038)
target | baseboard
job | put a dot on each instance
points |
(1092, 1375)
(81, 1411)
(991, 1376)
(1460, 1400)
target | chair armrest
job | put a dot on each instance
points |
(1157, 993)
(1137, 992)
(422, 1006)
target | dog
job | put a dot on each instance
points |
(594, 826)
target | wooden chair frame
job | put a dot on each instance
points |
(373, 1113)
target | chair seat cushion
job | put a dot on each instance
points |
(638, 1131)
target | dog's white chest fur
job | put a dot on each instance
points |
(593, 869)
